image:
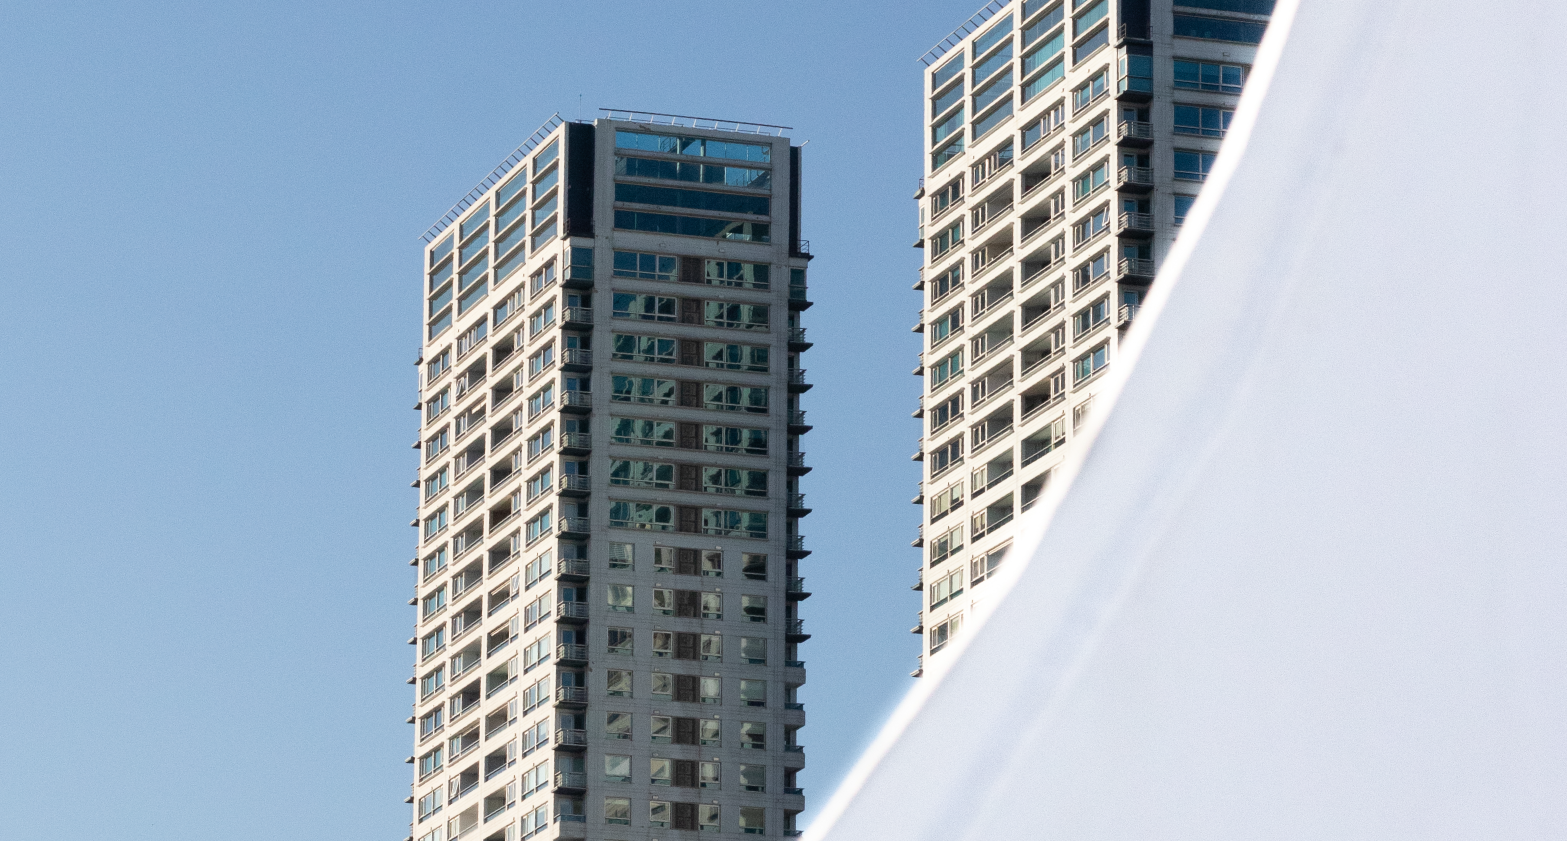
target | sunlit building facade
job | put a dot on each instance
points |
(1065, 142)
(607, 568)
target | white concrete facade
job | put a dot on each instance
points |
(1063, 140)
(608, 556)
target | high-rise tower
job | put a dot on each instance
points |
(1065, 142)
(608, 555)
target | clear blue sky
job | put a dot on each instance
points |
(210, 221)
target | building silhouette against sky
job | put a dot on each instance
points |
(1065, 143)
(607, 573)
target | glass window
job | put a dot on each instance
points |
(1089, 363)
(945, 128)
(1094, 14)
(942, 156)
(993, 91)
(692, 226)
(993, 35)
(1051, 20)
(620, 641)
(1206, 122)
(1193, 166)
(1209, 76)
(617, 810)
(1183, 206)
(940, 104)
(1219, 29)
(990, 66)
(1091, 45)
(938, 77)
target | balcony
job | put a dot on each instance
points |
(797, 381)
(795, 630)
(919, 580)
(574, 527)
(1134, 223)
(797, 299)
(1136, 267)
(576, 359)
(572, 569)
(571, 612)
(576, 443)
(797, 424)
(919, 536)
(1134, 178)
(573, 653)
(576, 401)
(571, 739)
(1127, 313)
(571, 696)
(796, 464)
(580, 318)
(1134, 133)
(570, 782)
(797, 505)
(797, 340)
(573, 484)
(796, 589)
(796, 544)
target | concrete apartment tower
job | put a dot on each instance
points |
(1065, 142)
(608, 556)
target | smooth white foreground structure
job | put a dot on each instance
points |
(1310, 579)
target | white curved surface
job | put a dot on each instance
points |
(1310, 579)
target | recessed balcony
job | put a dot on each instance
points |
(1134, 133)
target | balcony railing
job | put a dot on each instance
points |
(796, 585)
(569, 611)
(572, 482)
(797, 376)
(576, 440)
(1135, 222)
(1134, 130)
(576, 356)
(797, 500)
(797, 417)
(571, 694)
(796, 626)
(796, 542)
(573, 780)
(576, 400)
(572, 567)
(797, 334)
(1128, 312)
(1137, 175)
(571, 738)
(797, 459)
(1136, 267)
(574, 525)
(573, 651)
(577, 315)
